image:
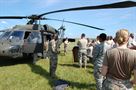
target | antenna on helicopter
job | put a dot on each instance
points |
(61, 30)
(62, 26)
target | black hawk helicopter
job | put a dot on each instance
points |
(28, 40)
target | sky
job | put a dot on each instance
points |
(111, 20)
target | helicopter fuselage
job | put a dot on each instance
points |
(22, 41)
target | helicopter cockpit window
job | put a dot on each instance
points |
(35, 37)
(5, 35)
(1, 33)
(16, 35)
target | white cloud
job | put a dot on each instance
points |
(123, 0)
(3, 22)
(45, 3)
(36, 3)
(9, 1)
(126, 16)
(52, 1)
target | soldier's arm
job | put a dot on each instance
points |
(53, 46)
(134, 80)
(134, 76)
(95, 52)
(58, 43)
(104, 70)
(134, 47)
(105, 65)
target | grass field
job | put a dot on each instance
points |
(23, 75)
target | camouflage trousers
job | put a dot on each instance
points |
(98, 78)
(53, 64)
(111, 84)
(82, 58)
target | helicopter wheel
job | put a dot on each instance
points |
(27, 56)
(44, 54)
(35, 57)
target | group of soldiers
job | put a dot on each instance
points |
(100, 46)
(99, 49)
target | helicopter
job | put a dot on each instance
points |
(28, 40)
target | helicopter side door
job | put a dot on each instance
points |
(32, 40)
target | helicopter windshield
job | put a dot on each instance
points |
(5, 35)
(1, 33)
(16, 35)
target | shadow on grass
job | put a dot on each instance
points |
(75, 65)
(39, 70)
(70, 65)
(61, 54)
(90, 72)
(82, 86)
(9, 62)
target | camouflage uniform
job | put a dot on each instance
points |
(111, 84)
(120, 62)
(82, 43)
(98, 56)
(46, 43)
(65, 46)
(53, 56)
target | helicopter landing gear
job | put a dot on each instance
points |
(34, 58)
(44, 54)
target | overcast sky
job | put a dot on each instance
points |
(111, 20)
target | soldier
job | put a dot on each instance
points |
(65, 45)
(82, 44)
(119, 64)
(98, 56)
(53, 55)
(131, 42)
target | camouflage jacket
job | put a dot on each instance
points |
(98, 53)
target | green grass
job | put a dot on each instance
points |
(27, 76)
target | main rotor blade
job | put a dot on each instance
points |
(2, 30)
(12, 17)
(75, 23)
(125, 4)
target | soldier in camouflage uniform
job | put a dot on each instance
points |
(82, 44)
(119, 64)
(111, 84)
(98, 56)
(53, 55)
